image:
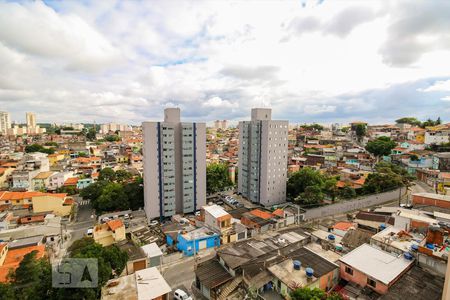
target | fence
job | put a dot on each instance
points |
(351, 205)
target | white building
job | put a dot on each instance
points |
(113, 127)
(174, 166)
(437, 137)
(263, 151)
(5, 122)
(31, 119)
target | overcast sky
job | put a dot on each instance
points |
(321, 61)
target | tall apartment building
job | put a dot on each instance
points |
(263, 151)
(31, 120)
(174, 166)
(5, 122)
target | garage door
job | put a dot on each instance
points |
(202, 245)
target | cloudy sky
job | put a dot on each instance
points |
(322, 61)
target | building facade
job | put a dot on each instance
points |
(174, 166)
(5, 122)
(263, 151)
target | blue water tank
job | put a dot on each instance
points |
(297, 265)
(309, 272)
(414, 247)
(408, 256)
(331, 237)
(383, 226)
(430, 246)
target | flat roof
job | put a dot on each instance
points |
(376, 263)
(200, 233)
(151, 284)
(433, 196)
(152, 250)
(216, 211)
(416, 284)
(25, 242)
(390, 236)
(122, 288)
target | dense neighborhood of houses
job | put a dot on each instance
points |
(347, 233)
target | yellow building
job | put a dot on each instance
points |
(42, 180)
(59, 204)
(54, 158)
(4, 173)
(109, 233)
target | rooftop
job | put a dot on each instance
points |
(433, 196)
(416, 284)
(114, 224)
(212, 274)
(199, 233)
(151, 284)
(15, 256)
(122, 288)
(216, 211)
(152, 250)
(376, 263)
(25, 242)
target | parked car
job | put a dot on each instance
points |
(153, 223)
(89, 231)
(181, 295)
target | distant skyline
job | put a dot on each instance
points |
(310, 61)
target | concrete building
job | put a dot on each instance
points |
(5, 122)
(109, 233)
(373, 268)
(174, 166)
(31, 120)
(263, 151)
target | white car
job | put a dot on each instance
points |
(153, 223)
(181, 295)
(89, 232)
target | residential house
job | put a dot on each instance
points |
(109, 233)
(196, 240)
(42, 181)
(370, 267)
(58, 179)
(441, 161)
(11, 258)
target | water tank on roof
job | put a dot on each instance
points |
(339, 247)
(309, 272)
(430, 246)
(331, 237)
(414, 247)
(297, 265)
(383, 226)
(408, 256)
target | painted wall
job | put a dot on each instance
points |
(361, 279)
(187, 247)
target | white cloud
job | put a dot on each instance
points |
(438, 86)
(217, 102)
(447, 98)
(125, 60)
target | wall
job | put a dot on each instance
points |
(188, 246)
(51, 203)
(428, 201)
(351, 205)
(361, 279)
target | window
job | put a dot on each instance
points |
(349, 270)
(371, 282)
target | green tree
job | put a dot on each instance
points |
(314, 126)
(107, 174)
(135, 193)
(308, 294)
(113, 197)
(381, 146)
(360, 130)
(217, 178)
(112, 138)
(94, 190)
(38, 148)
(69, 190)
(83, 154)
(311, 196)
(413, 157)
(32, 279)
(408, 120)
(347, 192)
(330, 188)
(6, 291)
(387, 176)
(91, 134)
(122, 175)
(299, 180)
(54, 144)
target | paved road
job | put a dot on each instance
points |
(83, 220)
(182, 273)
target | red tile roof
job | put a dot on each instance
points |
(15, 256)
(71, 181)
(279, 212)
(261, 214)
(114, 224)
(343, 226)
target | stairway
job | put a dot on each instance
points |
(230, 288)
